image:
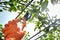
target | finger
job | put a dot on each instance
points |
(14, 36)
(10, 30)
(9, 22)
(17, 20)
(5, 29)
(12, 23)
(22, 33)
(23, 23)
(6, 25)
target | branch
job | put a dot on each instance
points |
(39, 37)
(25, 8)
(37, 34)
(45, 28)
(34, 35)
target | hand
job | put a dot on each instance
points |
(12, 32)
(23, 23)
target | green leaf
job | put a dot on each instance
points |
(14, 3)
(19, 7)
(26, 36)
(1, 10)
(27, 0)
(41, 2)
(11, 4)
(12, 8)
(0, 26)
(44, 5)
(35, 28)
(5, 3)
(22, 7)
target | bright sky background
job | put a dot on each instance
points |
(5, 16)
(54, 9)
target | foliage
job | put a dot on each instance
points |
(41, 19)
(1, 32)
(26, 36)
